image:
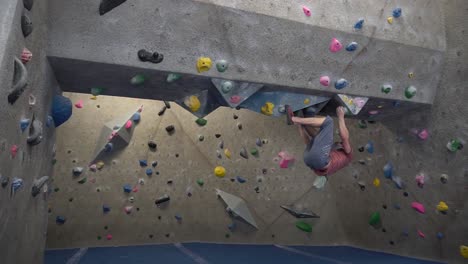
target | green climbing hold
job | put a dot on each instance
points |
(254, 152)
(200, 182)
(386, 88)
(222, 65)
(82, 181)
(172, 77)
(226, 86)
(95, 91)
(227, 235)
(99, 237)
(362, 124)
(56, 189)
(410, 92)
(374, 219)
(138, 79)
(201, 121)
(304, 226)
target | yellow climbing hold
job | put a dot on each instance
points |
(267, 108)
(203, 64)
(220, 171)
(464, 251)
(442, 207)
(100, 165)
(227, 152)
(93, 97)
(193, 103)
(376, 182)
(390, 20)
(306, 101)
(411, 75)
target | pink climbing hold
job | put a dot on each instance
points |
(335, 45)
(79, 104)
(423, 134)
(286, 158)
(420, 179)
(109, 237)
(421, 234)
(128, 209)
(135, 189)
(373, 112)
(325, 81)
(93, 168)
(418, 207)
(235, 99)
(306, 11)
(140, 109)
(26, 56)
(129, 124)
(13, 151)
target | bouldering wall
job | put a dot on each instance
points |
(23, 218)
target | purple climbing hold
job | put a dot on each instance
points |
(106, 209)
(143, 163)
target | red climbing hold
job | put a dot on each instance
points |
(26, 56)
(13, 151)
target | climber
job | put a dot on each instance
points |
(321, 154)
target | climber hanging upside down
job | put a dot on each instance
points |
(322, 154)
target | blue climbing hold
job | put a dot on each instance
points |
(24, 123)
(60, 220)
(232, 226)
(149, 172)
(440, 235)
(370, 147)
(61, 109)
(341, 83)
(106, 209)
(359, 24)
(127, 188)
(178, 217)
(16, 184)
(108, 147)
(397, 12)
(388, 170)
(396, 103)
(143, 163)
(136, 117)
(240, 179)
(397, 206)
(352, 46)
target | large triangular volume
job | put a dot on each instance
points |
(108, 5)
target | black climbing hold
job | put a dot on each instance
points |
(161, 112)
(49, 211)
(405, 194)
(221, 144)
(159, 217)
(264, 171)
(170, 129)
(201, 138)
(392, 243)
(154, 57)
(167, 235)
(28, 4)
(5, 181)
(98, 106)
(217, 135)
(162, 199)
(138, 208)
(70, 199)
(243, 153)
(167, 104)
(273, 236)
(152, 145)
(108, 5)
(233, 180)
(157, 173)
(362, 162)
(169, 182)
(257, 189)
(150, 236)
(106, 227)
(26, 25)
(20, 80)
(384, 230)
(176, 155)
(371, 121)
(361, 149)
(239, 126)
(154, 164)
(235, 116)
(384, 206)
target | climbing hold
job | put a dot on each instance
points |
(304, 226)
(24, 123)
(82, 181)
(418, 207)
(95, 91)
(38, 184)
(361, 149)
(440, 235)
(220, 171)
(442, 207)
(410, 92)
(388, 170)
(138, 79)
(108, 5)
(267, 108)
(108, 147)
(222, 65)
(61, 109)
(128, 124)
(396, 12)
(370, 147)
(141, 181)
(397, 206)
(235, 99)
(420, 179)
(136, 117)
(152, 145)
(28, 4)
(306, 101)
(454, 145)
(26, 25)
(161, 112)
(178, 217)
(105, 209)
(341, 83)
(4, 181)
(240, 179)
(79, 104)
(352, 46)
(203, 64)
(362, 124)
(31, 100)
(221, 144)
(362, 185)
(398, 182)
(200, 182)
(172, 77)
(373, 112)
(421, 234)
(320, 182)
(60, 220)
(325, 81)
(201, 121)
(374, 219)
(423, 134)
(376, 182)
(232, 226)
(143, 163)
(390, 20)
(226, 86)
(243, 153)
(147, 56)
(170, 129)
(127, 188)
(410, 75)
(235, 116)
(161, 200)
(286, 158)
(35, 132)
(335, 45)
(386, 88)
(49, 121)
(464, 251)
(201, 137)
(193, 103)
(444, 178)
(281, 109)
(100, 165)
(359, 24)
(218, 154)
(227, 153)
(254, 152)
(16, 184)
(77, 171)
(13, 151)
(239, 126)
(26, 56)
(258, 142)
(149, 172)
(306, 11)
